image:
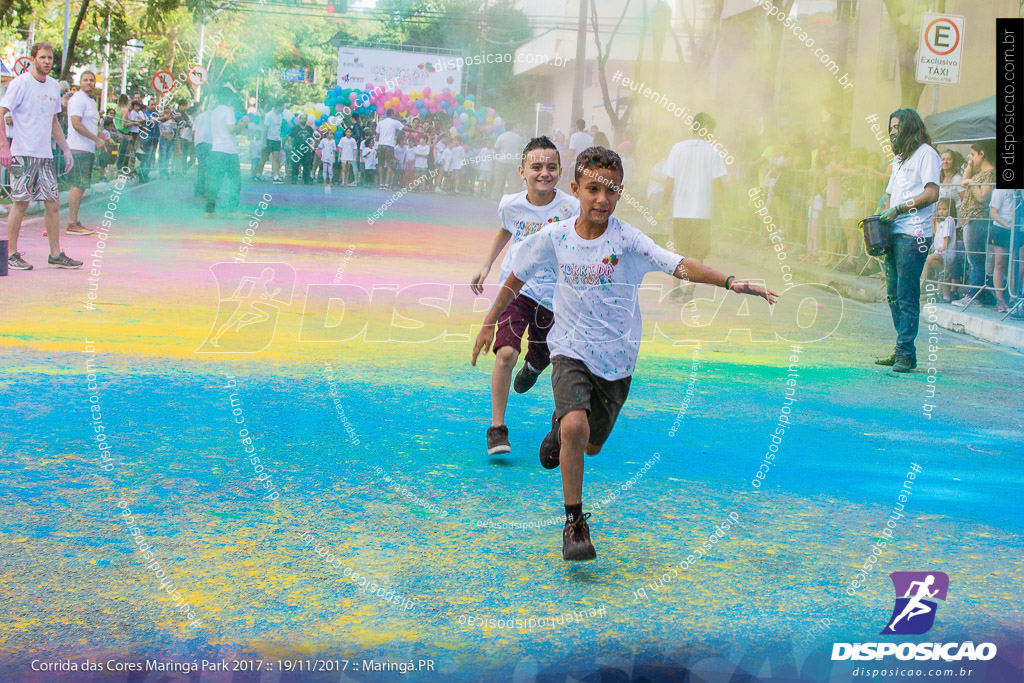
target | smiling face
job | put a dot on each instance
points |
(598, 190)
(947, 161)
(540, 169)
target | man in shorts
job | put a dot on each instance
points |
(600, 263)
(33, 100)
(388, 130)
(84, 138)
(272, 150)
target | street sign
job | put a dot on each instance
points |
(545, 108)
(294, 75)
(22, 65)
(938, 54)
(197, 75)
(163, 81)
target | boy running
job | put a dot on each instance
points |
(521, 215)
(600, 263)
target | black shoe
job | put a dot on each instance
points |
(497, 440)
(15, 262)
(576, 545)
(61, 260)
(887, 361)
(551, 447)
(525, 378)
(904, 364)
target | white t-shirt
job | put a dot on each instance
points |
(273, 122)
(201, 130)
(597, 316)
(32, 105)
(347, 149)
(422, 151)
(82, 105)
(907, 181)
(446, 160)
(223, 140)
(580, 141)
(327, 149)
(692, 165)
(458, 157)
(387, 131)
(508, 147)
(135, 117)
(1005, 204)
(486, 158)
(370, 158)
(947, 228)
(521, 219)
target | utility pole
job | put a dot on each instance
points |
(581, 58)
(106, 67)
(67, 20)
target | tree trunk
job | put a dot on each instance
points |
(69, 58)
(771, 67)
(906, 49)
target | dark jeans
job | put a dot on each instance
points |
(302, 168)
(903, 266)
(218, 167)
(976, 241)
(203, 159)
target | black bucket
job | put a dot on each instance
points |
(877, 235)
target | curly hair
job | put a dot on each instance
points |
(598, 157)
(912, 134)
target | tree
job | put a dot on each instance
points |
(906, 49)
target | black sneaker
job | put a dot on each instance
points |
(525, 379)
(903, 364)
(576, 545)
(61, 260)
(15, 262)
(497, 440)
(551, 447)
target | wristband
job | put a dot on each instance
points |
(729, 280)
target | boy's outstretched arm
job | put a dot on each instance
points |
(695, 272)
(500, 240)
(509, 290)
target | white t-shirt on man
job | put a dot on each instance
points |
(693, 165)
(597, 316)
(508, 148)
(521, 219)
(907, 181)
(580, 141)
(32, 105)
(273, 121)
(387, 131)
(201, 128)
(223, 140)
(82, 105)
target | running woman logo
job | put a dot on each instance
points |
(914, 613)
(247, 317)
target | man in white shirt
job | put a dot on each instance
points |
(33, 100)
(508, 149)
(579, 141)
(387, 139)
(910, 202)
(694, 187)
(84, 137)
(223, 158)
(272, 149)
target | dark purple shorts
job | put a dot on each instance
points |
(519, 315)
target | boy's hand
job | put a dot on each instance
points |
(744, 287)
(477, 283)
(483, 342)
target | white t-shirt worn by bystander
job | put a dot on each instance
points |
(33, 105)
(508, 148)
(580, 141)
(947, 228)
(597, 315)
(422, 150)
(273, 121)
(221, 121)
(347, 149)
(201, 128)
(521, 219)
(84, 106)
(387, 131)
(693, 165)
(908, 181)
(370, 158)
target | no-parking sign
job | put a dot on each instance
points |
(163, 81)
(197, 75)
(938, 55)
(22, 65)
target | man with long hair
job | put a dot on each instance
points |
(910, 202)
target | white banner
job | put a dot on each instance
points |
(407, 70)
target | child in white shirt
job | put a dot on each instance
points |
(327, 150)
(369, 162)
(421, 152)
(347, 150)
(943, 256)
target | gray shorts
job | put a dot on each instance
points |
(576, 388)
(33, 179)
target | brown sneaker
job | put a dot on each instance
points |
(497, 440)
(77, 228)
(576, 545)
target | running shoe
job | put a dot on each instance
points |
(497, 440)
(61, 260)
(15, 262)
(576, 544)
(278, 180)
(903, 364)
(551, 447)
(962, 302)
(888, 361)
(77, 228)
(525, 378)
